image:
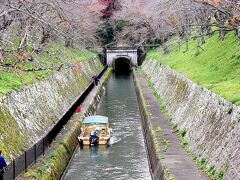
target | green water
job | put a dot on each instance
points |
(125, 157)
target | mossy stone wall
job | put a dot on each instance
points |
(212, 123)
(28, 114)
(54, 163)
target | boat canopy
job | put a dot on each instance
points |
(95, 120)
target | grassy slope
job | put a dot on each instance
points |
(216, 68)
(52, 55)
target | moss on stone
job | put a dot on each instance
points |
(11, 140)
(202, 163)
(149, 129)
(181, 89)
(54, 163)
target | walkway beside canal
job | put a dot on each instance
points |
(174, 156)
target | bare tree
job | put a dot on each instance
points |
(155, 21)
(33, 23)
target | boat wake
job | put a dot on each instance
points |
(114, 140)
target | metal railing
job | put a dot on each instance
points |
(29, 157)
(21, 163)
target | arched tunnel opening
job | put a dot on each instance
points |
(122, 65)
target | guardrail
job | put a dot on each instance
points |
(29, 157)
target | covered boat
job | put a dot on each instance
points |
(95, 130)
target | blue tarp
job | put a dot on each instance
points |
(95, 120)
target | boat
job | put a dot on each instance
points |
(95, 131)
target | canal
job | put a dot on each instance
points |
(125, 157)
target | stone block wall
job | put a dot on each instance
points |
(28, 114)
(211, 122)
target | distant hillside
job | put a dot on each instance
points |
(215, 66)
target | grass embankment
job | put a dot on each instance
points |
(216, 67)
(52, 58)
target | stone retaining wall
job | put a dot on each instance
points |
(211, 122)
(27, 114)
(55, 162)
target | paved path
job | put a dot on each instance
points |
(175, 158)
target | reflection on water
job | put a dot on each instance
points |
(95, 152)
(125, 156)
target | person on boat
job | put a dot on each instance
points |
(3, 165)
(93, 138)
(110, 131)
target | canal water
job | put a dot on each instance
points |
(125, 157)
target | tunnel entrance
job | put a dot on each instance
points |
(122, 65)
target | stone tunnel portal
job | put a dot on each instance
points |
(122, 59)
(122, 65)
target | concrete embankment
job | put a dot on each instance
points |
(155, 165)
(28, 114)
(54, 163)
(211, 124)
(167, 158)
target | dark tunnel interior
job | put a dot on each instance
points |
(122, 66)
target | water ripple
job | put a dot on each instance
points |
(125, 157)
